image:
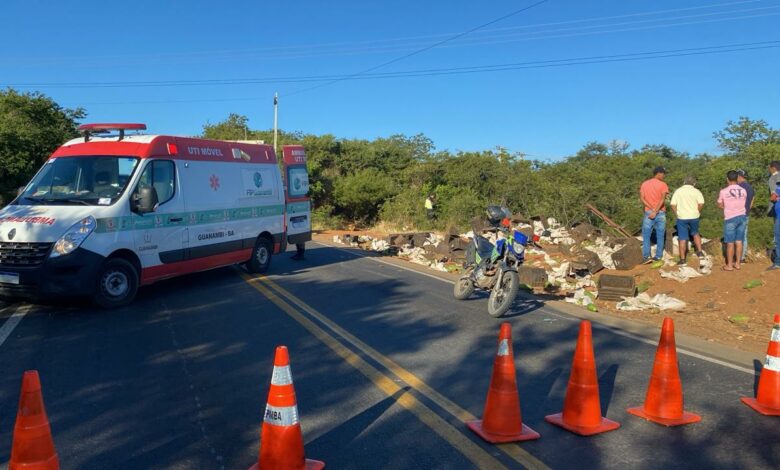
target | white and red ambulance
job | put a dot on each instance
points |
(110, 212)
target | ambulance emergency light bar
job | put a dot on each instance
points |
(102, 128)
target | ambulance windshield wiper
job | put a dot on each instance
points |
(69, 200)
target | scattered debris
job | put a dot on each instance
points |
(682, 274)
(739, 319)
(705, 265)
(753, 284)
(644, 302)
(583, 298)
(608, 221)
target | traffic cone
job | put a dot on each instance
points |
(33, 446)
(281, 440)
(767, 401)
(664, 400)
(502, 421)
(582, 407)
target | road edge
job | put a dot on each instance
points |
(687, 344)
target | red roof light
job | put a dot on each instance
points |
(105, 127)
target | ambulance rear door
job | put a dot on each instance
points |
(297, 203)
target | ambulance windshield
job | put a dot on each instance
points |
(92, 180)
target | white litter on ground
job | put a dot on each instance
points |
(604, 252)
(682, 274)
(379, 245)
(583, 298)
(705, 265)
(644, 302)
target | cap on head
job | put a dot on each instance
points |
(659, 169)
(742, 173)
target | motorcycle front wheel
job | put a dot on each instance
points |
(463, 288)
(502, 296)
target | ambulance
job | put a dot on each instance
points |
(115, 210)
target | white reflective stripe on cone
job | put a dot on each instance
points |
(281, 415)
(772, 363)
(281, 376)
(775, 334)
(503, 347)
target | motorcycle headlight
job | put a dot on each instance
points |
(74, 237)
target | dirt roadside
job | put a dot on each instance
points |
(730, 308)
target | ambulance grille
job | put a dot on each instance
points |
(23, 254)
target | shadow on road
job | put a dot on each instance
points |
(180, 378)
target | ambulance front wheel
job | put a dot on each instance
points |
(117, 283)
(261, 256)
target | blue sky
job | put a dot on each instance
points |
(546, 112)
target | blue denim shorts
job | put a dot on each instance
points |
(734, 229)
(686, 228)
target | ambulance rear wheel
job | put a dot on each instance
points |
(261, 257)
(117, 283)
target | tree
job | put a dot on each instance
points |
(32, 126)
(592, 149)
(235, 127)
(360, 196)
(738, 136)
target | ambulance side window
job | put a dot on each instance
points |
(160, 174)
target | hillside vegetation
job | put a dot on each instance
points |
(358, 182)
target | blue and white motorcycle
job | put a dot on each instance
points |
(492, 267)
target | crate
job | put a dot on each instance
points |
(533, 277)
(627, 257)
(615, 287)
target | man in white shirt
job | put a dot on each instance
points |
(687, 202)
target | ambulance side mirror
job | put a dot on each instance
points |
(144, 200)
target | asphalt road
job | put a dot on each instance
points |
(386, 364)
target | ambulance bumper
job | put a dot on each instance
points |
(64, 276)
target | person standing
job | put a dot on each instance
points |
(429, 206)
(300, 249)
(687, 202)
(653, 194)
(732, 200)
(774, 180)
(742, 181)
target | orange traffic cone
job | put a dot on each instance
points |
(767, 401)
(501, 420)
(664, 400)
(33, 446)
(582, 407)
(281, 440)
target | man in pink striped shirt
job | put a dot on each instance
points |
(732, 200)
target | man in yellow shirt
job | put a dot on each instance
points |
(687, 202)
(429, 206)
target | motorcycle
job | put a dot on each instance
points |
(492, 267)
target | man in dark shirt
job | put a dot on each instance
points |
(742, 181)
(774, 180)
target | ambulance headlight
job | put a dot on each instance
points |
(74, 237)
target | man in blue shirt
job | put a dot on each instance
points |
(742, 181)
(774, 181)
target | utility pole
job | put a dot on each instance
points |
(276, 117)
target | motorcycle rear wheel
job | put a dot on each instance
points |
(463, 288)
(502, 296)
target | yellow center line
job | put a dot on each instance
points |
(514, 451)
(476, 454)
